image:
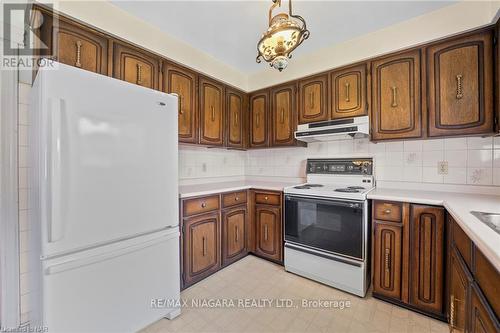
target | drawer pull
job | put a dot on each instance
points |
(311, 100)
(452, 311)
(235, 119)
(213, 113)
(180, 105)
(347, 97)
(387, 257)
(236, 199)
(387, 211)
(257, 120)
(139, 74)
(265, 232)
(78, 54)
(204, 241)
(203, 204)
(394, 103)
(460, 92)
(266, 198)
(282, 116)
(236, 236)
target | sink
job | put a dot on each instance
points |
(492, 220)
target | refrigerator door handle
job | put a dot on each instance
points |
(56, 225)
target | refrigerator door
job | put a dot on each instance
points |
(114, 289)
(109, 160)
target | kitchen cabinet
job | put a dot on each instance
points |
(482, 319)
(408, 255)
(313, 99)
(135, 65)
(268, 225)
(211, 112)
(236, 113)
(348, 92)
(183, 82)
(234, 225)
(201, 247)
(459, 282)
(259, 118)
(427, 258)
(283, 115)
(497, 76)
(396, 110)
(387, 252)
(73, 44)
(460, 86)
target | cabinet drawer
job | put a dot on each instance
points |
(234, 198)
(388, 211)
(268, 198)
(200, 205)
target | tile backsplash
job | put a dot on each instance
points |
(461, 161)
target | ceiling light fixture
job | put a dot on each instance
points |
(285, 33)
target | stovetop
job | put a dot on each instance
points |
(339, 190)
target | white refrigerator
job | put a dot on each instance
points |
(104, 203)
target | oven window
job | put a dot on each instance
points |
(325, 225)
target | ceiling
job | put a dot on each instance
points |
(229, 30)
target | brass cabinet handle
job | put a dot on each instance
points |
(139, 74)
(347, 97)
(237, 237)
(387, 211)
(204, 241)
(203, 204)
(282, 116)
(387, 258)
(452, 311)
(394, 96)
(460, 93)
(235, 118)
(78, 54)
(311, 99)
(265, 232)
(266, 198)
(213, 113)
(236, 198)
(257, 120)
(180, 105)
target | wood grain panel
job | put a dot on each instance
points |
(211, 112)
(135, 66)
(268, 232)
(235, 104)
(259, 109)
(313, 99)
(234, 234)
(348, 91)
(200, 205)
(283, 115)
(388, 211)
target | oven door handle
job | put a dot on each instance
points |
(349, 204)
(324, 255)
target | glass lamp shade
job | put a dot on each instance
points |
(280, 39)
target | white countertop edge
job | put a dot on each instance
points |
(485, 242)
(186, 191)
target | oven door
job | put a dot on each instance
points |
(331, 225)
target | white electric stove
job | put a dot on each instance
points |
(327, 223)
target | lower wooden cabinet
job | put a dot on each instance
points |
(201, 247)
(482, 318)
(459, 282)
(408, 256)
(268, 238)
(234, 225)
(387, 251)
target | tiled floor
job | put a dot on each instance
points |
(255, 279)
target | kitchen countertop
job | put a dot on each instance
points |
(186, 191)
(459, 206)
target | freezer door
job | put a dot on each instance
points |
(110, 168)
(115, 290)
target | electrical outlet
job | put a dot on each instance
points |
(443, 167)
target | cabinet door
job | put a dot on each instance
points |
(182, 82)
(396, 105)
(201, 256)
(79, 47)
(235, 113)
(259, 109)
(427, 258)
(387, 253)
(497, 76)
(482, 318)
(313, 103)
(211, 112)
(283, 115)
(234, 234)
(135, 66)
(348, 92)
(459, 284)
(268, 232)
(460, 83)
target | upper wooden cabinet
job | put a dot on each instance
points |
(348, 92)
(259, 127)
(236, 104)
(182, 82)
(135, 66)
(396, 106)
(211, 112)
(460, 86)
(427, 258)
(313, 99)
(283, 115)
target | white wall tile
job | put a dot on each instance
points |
(455, 176)
(455, 144)
(414, 145)
(430, 175)
(395, 158)
(431, 158)
(413, 158)
(480, 158)
(435, 144)
(479, 143)
(456, 158)
(496, 159)
(376, 147)
(496, 176)
(394, 146)
(412, 174)
(479, 176)
(496, 141)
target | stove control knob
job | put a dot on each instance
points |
(325, 167)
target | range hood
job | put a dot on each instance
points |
(331, 130)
